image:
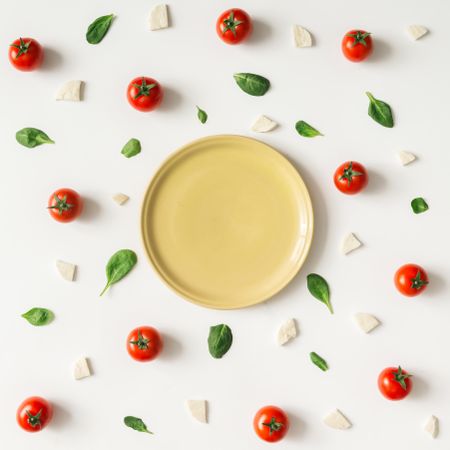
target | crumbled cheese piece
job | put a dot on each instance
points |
(337, 420)
(81, 369)
(70, 91)
(350, 243)
(432, 426)
(159, 17)
(197, 408)
(287, 332)
(406, 157)
(263, 124)
(302, 37)
(366, 322)
(67, 270)
(417, 31)
(120, 199)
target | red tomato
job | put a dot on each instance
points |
(271, 423)
(351, 177)
(26, 54)
(34, 414)
(65, 205)
(357, 45)
(234, 26)
(394, 383)
(411, 280)
(144, 343)
(144, 93)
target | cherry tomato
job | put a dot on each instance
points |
(26, 54)
(394, 383)
(351, 177)
(271, 423)
(411, 280)
(65, 205)
(357, 45)
(234, 26)
(144, 343)
(34, 414)
(144, 93)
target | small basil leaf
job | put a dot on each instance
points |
(219, 340)
(419, 205)
(252, 84)
(118, 266)
(136, 424)
(39, 316)
(318, 287)
(202, 116)
(318, 361)
(32, 137)
(98, 29)
(131, 148)
(306, 130)
(380, 111)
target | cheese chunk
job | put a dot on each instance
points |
(81, 369)
(263, 124)
(417, 31)
(302, 37)
(287, 332)
(432, 426)
(159, 18)
(406, 158)
(70, 91)
(197, 408)
(67, 270)
(120, 199)
(350, 243)
(366, 322)
(335, 419)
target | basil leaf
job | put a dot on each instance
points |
(380, 111)
(252, 84)
(131, 148)
(318, 287)
(118, 266)
(202, 116)
(32, 137)
(306, 130)
(38, 316)
(98, 29)
(318, 361)
(219, 340)
(136, 423)
(419, 205)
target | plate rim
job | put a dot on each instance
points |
(200, 301)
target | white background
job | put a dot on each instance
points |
(195, 67)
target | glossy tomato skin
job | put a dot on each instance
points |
(144, 94)
(234, 26)
(34, 414)
(144, 343)
(357, 45)
(271, 423)
(351, 177)
(390, 386)
(26, 54)
(411, 280)
(65, 205)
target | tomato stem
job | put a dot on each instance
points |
(273, 425)
(417, 282)
(143, 89)
(61, 204)
(349, 173)
(22, 47)
(34, 420)
(400, 377)
(359, 38)
(231, 24)
(141, 342)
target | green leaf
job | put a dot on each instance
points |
(98, 29)
(119, 265)
(39, 316)
(136, 423)
(252, 84)
(318, 361)
(32, 137)
(318, 287)
(131, 148)
(380, 111)
(306, 130)
(202, 116)
(219, 340)
(419, 205)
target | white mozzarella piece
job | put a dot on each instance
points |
(197, 408)
(406, 158)
(70, 91)
(263, 124)
(335, 419)
(432, 426)
(287, 332)
(302, 37)
(120, 199)
(81, 369)
(417, 31)
(366, 322)
(67, 270)
(350, 243)
(159, 17)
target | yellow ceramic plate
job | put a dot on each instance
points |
(227, 221)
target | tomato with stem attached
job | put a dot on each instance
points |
(34, 414)
(394, 383)
(411, 280)
(271, 423)
(26, 54)
(351, 177)
(144, 343)
(234, 26)
(65, 205)
(357, 45)
(144, 94)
